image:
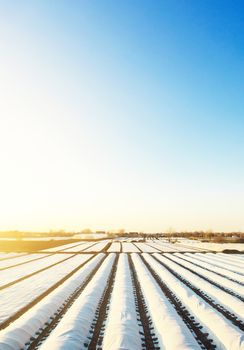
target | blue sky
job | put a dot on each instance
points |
(122, 114)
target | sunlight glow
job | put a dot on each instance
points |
(101, 135)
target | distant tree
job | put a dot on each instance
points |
(111, 234)
(86, 230)
(170, 231)
(208, 234)
(121, 232)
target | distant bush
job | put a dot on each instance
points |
(231, 251)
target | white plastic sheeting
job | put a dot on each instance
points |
(183, 248)
(61, 247)
(17, 296)
(170, 329)
(166, 247)
(222, 264)
(155, 245)
(146, 248)
(22, 259)
(129, 248)
(7, 255)
(12, 256)
(160, 246)
(207, 263)
(231, 261)
(230, 302)
(114, 248)
(238, 268)
(7, 276)
(233, 257)
(79, 248)
(235, 287)
(213, 246)
(225, 335)
(20, 331)
(97, 247)
(122, 330)
(73, 330)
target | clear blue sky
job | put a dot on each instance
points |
(122, 114)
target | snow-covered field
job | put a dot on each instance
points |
(122, 295)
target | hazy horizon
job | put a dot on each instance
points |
(122, 115)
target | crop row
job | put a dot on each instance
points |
(119, 300)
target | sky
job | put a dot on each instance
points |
(122, 114)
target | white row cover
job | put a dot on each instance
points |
(97, 247)
(207, 262)
(146, 248)
(11, 256)
(231, 303)
(19, 260)
(122, 330)
(235, 261)
(169, 247)
(7, 276)
(79, 248)
(129, 247)
(20, 331)
(73, 330)
(114, 248)
(233, 257)
(165, 247)
(170, 329)
(225, 335)
(4, 255)
(155, 245)
(184, 248)
(233, 266)
(213, 246)
(223, 264)
(235, 287)
(17, 296)
(60, 247)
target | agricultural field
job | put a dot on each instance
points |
(122, 294)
